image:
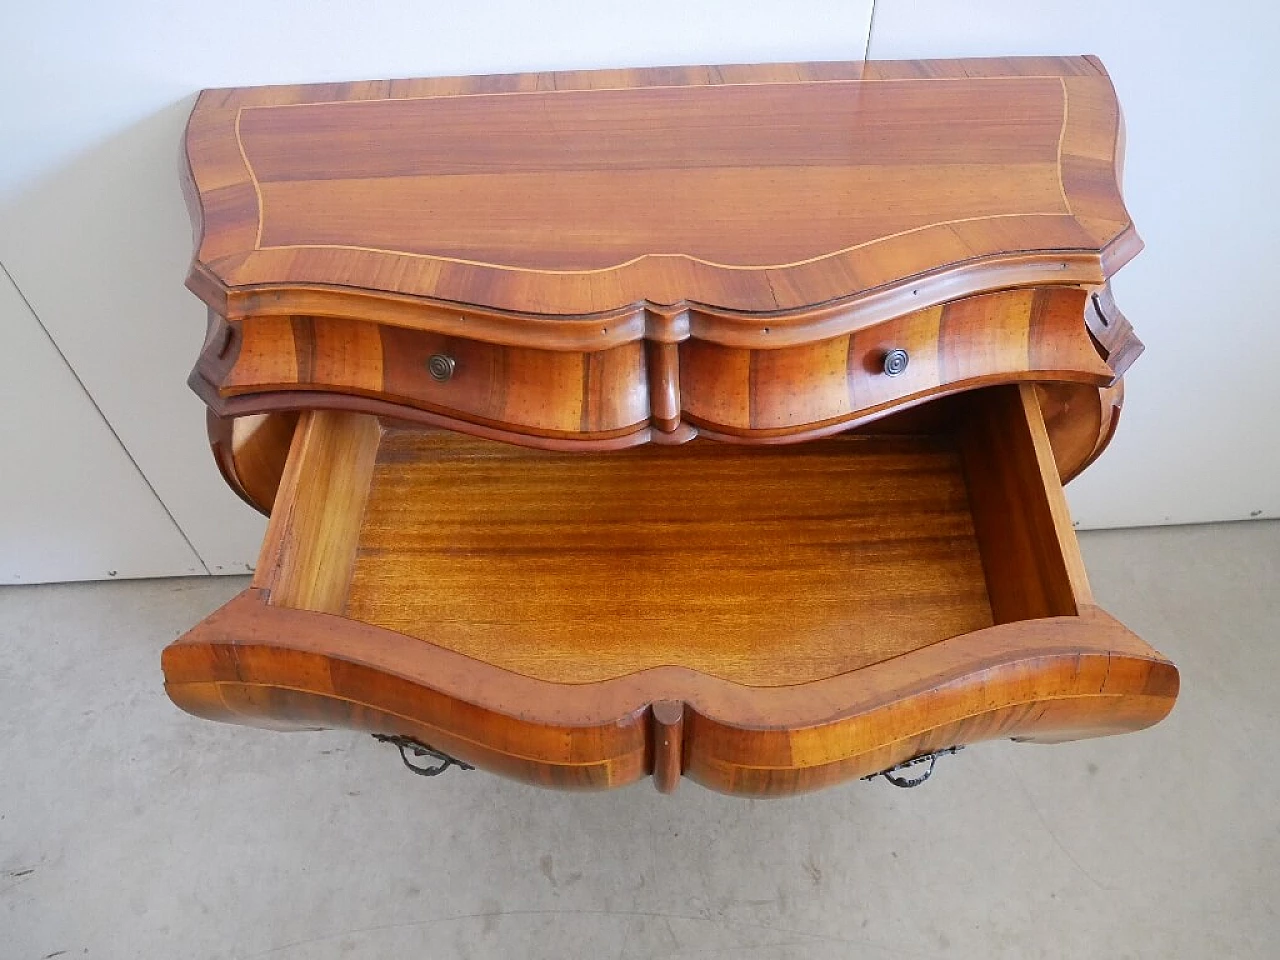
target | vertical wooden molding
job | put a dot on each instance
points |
(664, 385)
(1029, 551)
(310, 548)
(1057, 499)
(668, 744)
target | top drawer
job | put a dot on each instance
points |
(642, 390)
(298, 362)
(1007, 336)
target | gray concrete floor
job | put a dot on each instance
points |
(128, 829)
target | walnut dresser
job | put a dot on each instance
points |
(700, 421)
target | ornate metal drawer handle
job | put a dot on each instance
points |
(895, 362)
(422, 750)
(441, 367)
(893, 773)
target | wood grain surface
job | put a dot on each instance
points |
(765, 568)
(544, 392)
(763, 620)
(1057, 679)
(1014, 335)
(634, 392)
(599, 268)
(618, 257)
(311, 540)
(1080, 420)
(749, 188)
(251, 453)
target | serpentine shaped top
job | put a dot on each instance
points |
(781, 189)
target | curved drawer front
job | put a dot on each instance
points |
(1007, 336)
(765, 621)
(541, 392)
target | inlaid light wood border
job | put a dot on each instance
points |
(1055, 678)
(262, 211)
(1094, 232)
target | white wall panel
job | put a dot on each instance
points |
(91, 219)
(72, 505)
(93, 229)
(1200, 437)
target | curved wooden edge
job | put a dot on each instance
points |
(683, 430)
(195, 209)
(1112, 401)
(219, 430)
(920, 291)
(1112, 333)
(1121, 250)
(1085, 246)
(300, 400)
(1126, 244)
(1080, 427)
(586, 331)
(658, 322)
(251, 453)
(1058, 678)
(1081, 421)
(866, 415)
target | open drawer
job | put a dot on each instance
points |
(765, 620)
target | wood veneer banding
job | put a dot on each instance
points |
(621, 170)
(566, 594)
(904, 265)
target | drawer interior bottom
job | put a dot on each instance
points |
(766, 567)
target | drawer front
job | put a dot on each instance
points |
(1000, 337)
(540, 392)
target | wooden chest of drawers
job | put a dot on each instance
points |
(854, 321)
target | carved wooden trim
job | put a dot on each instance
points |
(1117, 343)
(668, 744)
(664, 385)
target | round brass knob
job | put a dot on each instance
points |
(895, 361)
(441, 367)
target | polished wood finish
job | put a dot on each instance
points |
(547, 392)
(569, 398)
(558, 235)
(767, 570)
(1043, 680)
(668, 744)
(310, 546)
(1111, 330)
(824, 610)
(1080, 422)
(626, 395)
(1029, 551)
(580, 193)
(996, 338)
(251, 453)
